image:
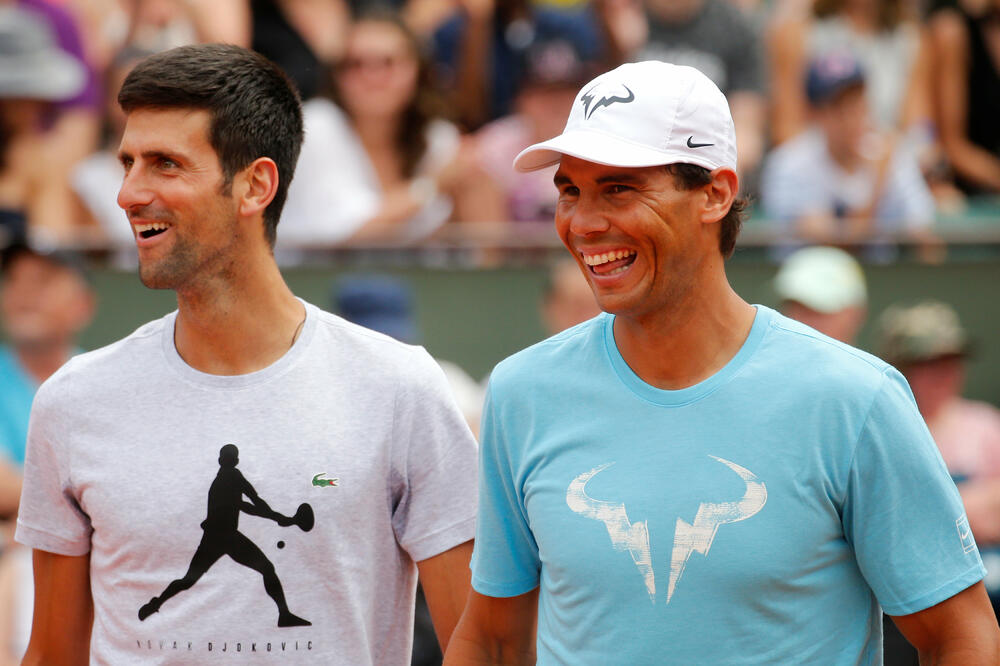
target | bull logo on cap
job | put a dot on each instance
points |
(589, 106)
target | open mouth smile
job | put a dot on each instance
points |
(150, 230)
(609, 263)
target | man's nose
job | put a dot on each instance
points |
(134, 191)
(587, 217)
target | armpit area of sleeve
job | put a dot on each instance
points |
(942, 593)
(442, 540)
(49, 542)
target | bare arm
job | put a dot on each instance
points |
(64, 610)
(749, 110)
(445, 579)
(950, 87)
(786, 62)
(960, 630)
(494, 630)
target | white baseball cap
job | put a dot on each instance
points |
(825, 279)
(643, 114)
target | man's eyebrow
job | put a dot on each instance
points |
(559, 180)
(149, 154)
(629, 177)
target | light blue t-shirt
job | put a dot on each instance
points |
(758, 517)
(17, 390)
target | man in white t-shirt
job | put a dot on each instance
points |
(150, 544)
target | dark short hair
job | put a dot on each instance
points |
(692, 176)
(255, 109)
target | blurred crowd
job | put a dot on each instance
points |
(862, 123)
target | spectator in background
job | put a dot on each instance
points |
(45, 301)
(304, 37)
(966, 88)
(479, 51)
(927, 343)
(34, 74)
(882, 34)
(823, 287)
(715, 37)
(567, 299)
(840, 181)
(553, 72)
(381, 164)
(97, 179)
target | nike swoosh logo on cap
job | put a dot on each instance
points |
(697, 145)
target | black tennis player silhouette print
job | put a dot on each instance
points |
(221, 536)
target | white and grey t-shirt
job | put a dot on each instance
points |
(182, 485)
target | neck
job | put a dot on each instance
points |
(376, 131)
(41, 360)
(689, 341)
(844, 156)
(238, 324)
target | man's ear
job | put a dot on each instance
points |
(258, 185)
(720, 194)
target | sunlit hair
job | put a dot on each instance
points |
(690, 177)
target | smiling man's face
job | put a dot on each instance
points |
(637, 236)
(176, 198)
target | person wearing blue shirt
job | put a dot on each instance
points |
(688, 478)
(45, 301)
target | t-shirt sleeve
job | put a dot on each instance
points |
(902, 512)
(505, 561)
(50, 517)
(435, 465)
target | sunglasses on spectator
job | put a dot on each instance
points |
(372, 63)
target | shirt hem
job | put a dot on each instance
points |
(503, 589)
(41, 540)
(946, 591)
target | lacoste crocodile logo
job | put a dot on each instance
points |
(324, 482)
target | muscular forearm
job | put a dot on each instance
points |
(467, 651)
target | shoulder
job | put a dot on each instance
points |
(553, 356)
(322, 118)
(377, 355)
(91, 374)
(830, 367)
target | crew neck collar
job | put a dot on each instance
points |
(685, 396)
(282, 364)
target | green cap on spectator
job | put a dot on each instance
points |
(923, 332)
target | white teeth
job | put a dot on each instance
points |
(154, 226)
(598, 259)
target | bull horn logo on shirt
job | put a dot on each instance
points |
(691, 537)
(588, 97)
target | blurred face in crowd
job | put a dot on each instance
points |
(935, 382)
(182, 211)
(841, 325)
(547, 107)
(43, 302)
(844, 120)
(377, 76)
(569, 300)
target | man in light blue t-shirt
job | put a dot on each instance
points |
(688, 478)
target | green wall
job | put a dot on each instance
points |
(477, 317)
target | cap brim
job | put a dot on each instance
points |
(601, 149)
